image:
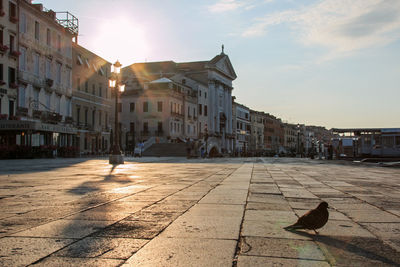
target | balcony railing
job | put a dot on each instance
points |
(177, 114)
(159, 133)
(145, 133)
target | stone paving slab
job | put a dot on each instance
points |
(65, 229)
(281, 247)
(164, 252)
(245, 261)
(64, 261)
(22, 251)
(194, 226)
(100, 247)
(198, 212)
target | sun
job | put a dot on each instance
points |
(121, 38)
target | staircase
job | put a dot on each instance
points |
(166, 150)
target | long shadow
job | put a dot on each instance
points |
(20, 166)
(369, 248)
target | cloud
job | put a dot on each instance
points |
(230, 5)
(342, 26)
(226, 5)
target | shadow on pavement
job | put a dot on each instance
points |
(351, 251)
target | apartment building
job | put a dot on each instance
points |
(212, 79)
(290, 137)
(243, 128)
(153, 109)
(91, 101)
(43, 48)
(273, 134)
(8, 60)
(257, 131)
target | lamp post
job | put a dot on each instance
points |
(114, 83)
(298, 140)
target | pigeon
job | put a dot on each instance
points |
(313, 219)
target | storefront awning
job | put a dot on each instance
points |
(10, 125)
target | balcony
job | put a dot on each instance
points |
(177, 114)
(13, 19)
(51, 117)
(69, 120)
(159, 133)
(22, 111)
(145, 133)
(49, 82)
(37, 114)
(14, 54)
(3, 48)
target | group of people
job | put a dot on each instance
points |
(194, 147)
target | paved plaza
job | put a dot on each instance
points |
(180, 212)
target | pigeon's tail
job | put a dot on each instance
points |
(293, 227)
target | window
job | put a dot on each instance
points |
(78, 114)
(119, 107)
(93, 117)
(145, 127)
(37, 30)
(205, 94)
(86, 115)
(205, 110)
(1, 72)
(106, 119)
(100, 117)
(146, 106)
(13, 10)
(93, 89)
(22, 58)
(132, 127)
(47, 99)
(58, 68)
(22, 23)
(68, 107)
(159, 106)
(11, 107)
(86, 86)
(188, 112)
(199, 92)
(48, 37)
(11, 76)
(36, 63)
(1, 37)
(58, 99)
(21, 96)
(59, 43)
(69, 73)
(200, 109)
(78, 81)
(12, 43)
(100, 90)
(159, 127)
(36, 92)
(132, 107)
(188, 129)
(48, 68)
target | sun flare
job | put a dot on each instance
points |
(122, 38)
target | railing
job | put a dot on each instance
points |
(159, 133)
(177, 114)
(144, 133)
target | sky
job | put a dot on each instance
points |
(333, 63)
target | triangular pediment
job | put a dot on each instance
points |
(223, 65)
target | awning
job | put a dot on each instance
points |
(10, 125)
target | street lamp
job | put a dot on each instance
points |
(114, 83)
(298, 140)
